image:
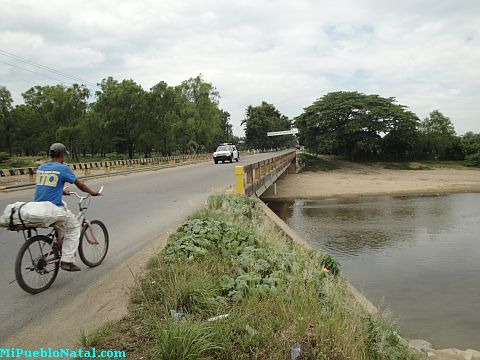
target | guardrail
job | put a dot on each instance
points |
(106, 166)
(256, 178)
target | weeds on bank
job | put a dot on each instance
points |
(228, 285)
(460, 165)
(429, 165)
(406, 166)
(314, 163)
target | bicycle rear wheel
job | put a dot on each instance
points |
(93, 245)
(37, 263)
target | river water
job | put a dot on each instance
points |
(416, 256)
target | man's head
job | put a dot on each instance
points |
(58, 152)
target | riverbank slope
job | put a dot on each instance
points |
(230, 284)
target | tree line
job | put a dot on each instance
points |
(120, 117)
(123, 118)
(363, 127)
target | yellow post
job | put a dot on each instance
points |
(240, 176)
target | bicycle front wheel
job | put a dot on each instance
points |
(37, 263)
(93, 245)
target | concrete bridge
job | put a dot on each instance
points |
(258, 177)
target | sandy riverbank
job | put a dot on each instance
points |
(353, 179)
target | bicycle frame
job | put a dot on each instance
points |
(57, 240)
(83, 206)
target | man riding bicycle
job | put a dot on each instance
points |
(51, 178)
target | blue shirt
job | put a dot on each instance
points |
(51, 178)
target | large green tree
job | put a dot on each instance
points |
(354, 125)
(122, 118)
(264, 118)
(6, 125)
(400, 143)
(470, 143)
(123, 104)
(163, 112)
(438, 136)
(201, 114)
(226, 129)
(59, 111)
(27, 134)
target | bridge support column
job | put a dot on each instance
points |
(292, 169)
(271, 191)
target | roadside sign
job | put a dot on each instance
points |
(286, 132)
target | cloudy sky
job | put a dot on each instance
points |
(426, 53)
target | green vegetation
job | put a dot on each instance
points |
(472, 159)
(363, 127)
(20, 161)
(428, 165)
(264, 118)
(125, 119)
(351, 124)
(471, 144)
(28, 161)
(4, 156)
(229, 285)
(315, 163)
(121, 118)
(406, 166)
(445, 164)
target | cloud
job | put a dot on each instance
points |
(288, 53)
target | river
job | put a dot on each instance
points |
(416, 256)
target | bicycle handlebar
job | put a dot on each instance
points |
(81, 198)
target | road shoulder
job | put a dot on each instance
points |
(105, 300)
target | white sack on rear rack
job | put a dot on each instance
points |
(33, 214)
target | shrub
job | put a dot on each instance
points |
(472, 160)
(4, 156)
(315, 163)
(115, 156)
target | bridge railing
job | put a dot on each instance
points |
(258, 177)
(107, 166)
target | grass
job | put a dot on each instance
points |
(230, 260)
(406, 166)
(426, 165)
(21, 161)
(446, 164)
(88, 340)
(315, 163)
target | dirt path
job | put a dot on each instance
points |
(353, 179)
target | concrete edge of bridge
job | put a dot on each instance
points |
(290, 233)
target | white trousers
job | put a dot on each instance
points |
(69, 230)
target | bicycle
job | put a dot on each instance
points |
(43, 263)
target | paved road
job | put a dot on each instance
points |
(137, 209)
